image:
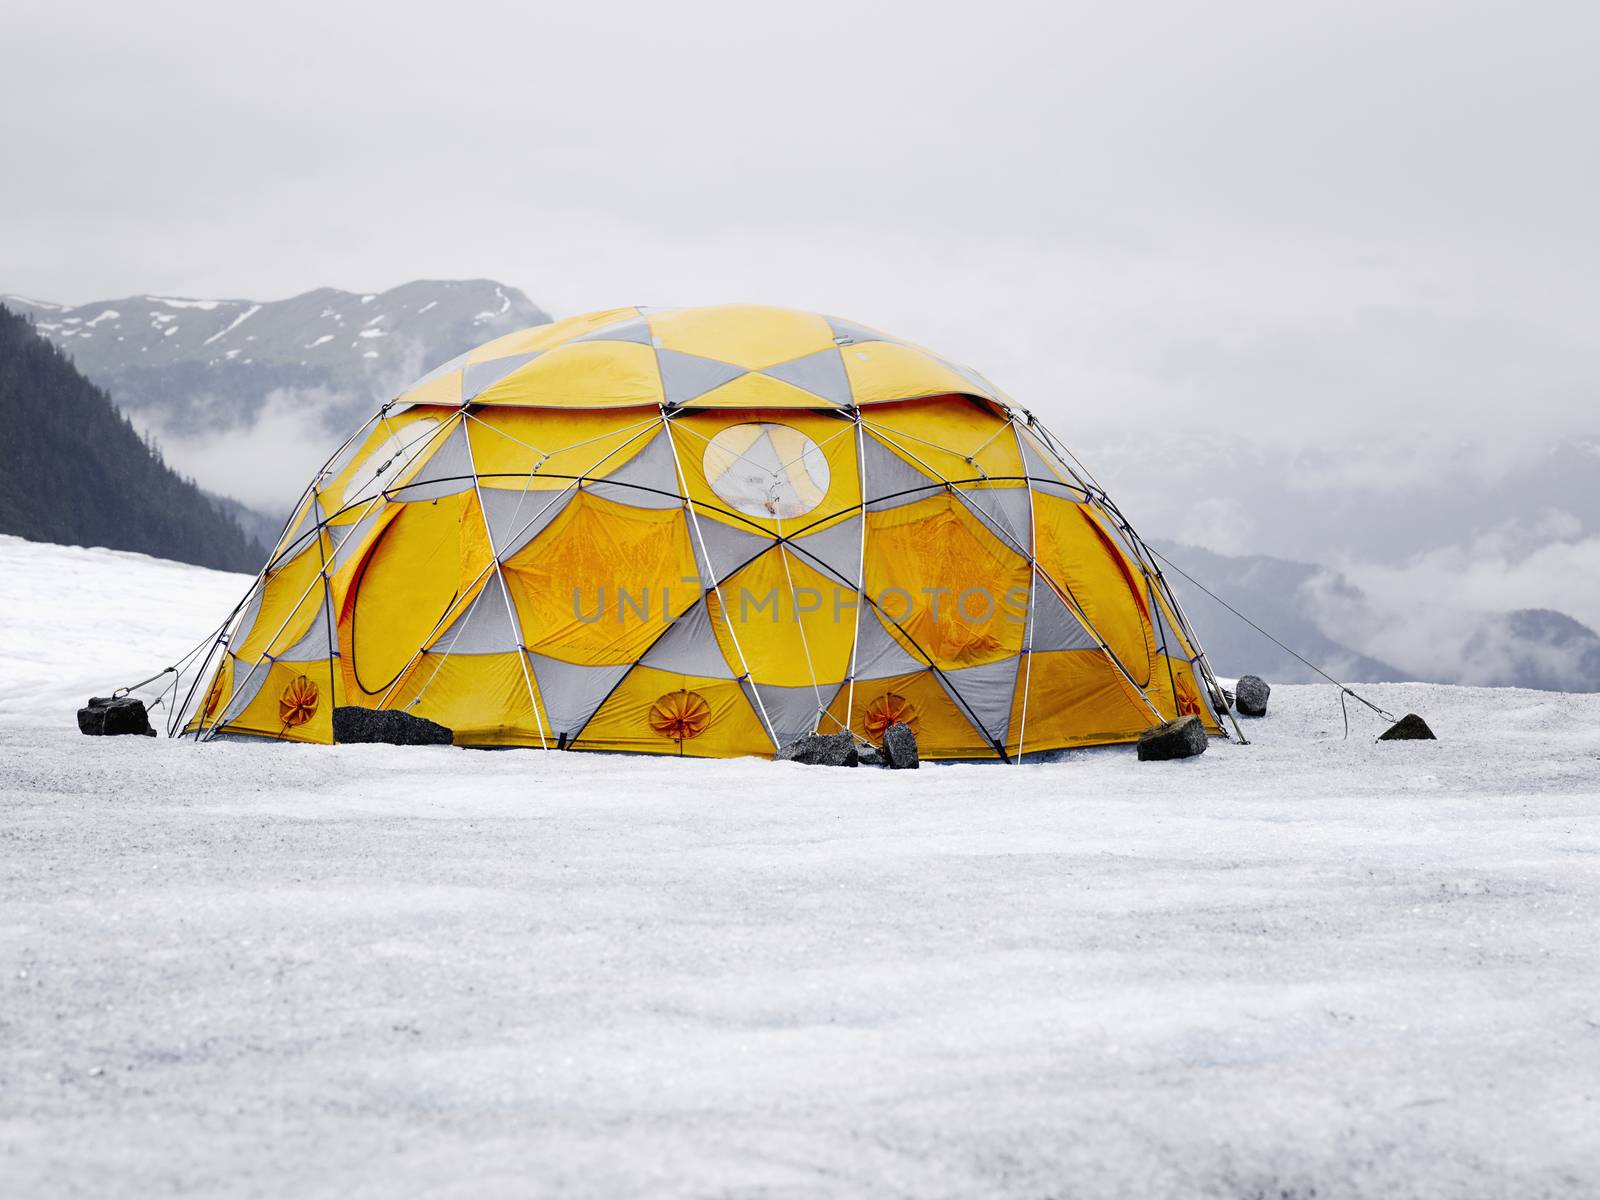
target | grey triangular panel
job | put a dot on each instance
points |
(247, 620)
(725, 549)
(447, 471)
(303, 533)
(979, 384)
(1052, 625)
(481, 375)
(849, 333)
(247, 681)
(517, 517)
(316, 643)
(484, 628)
(792, 711)
(350, 540)
(648, 480)
(571, 694)
(878, 655)
(985, 692)
(1045, 477)
(822, 374)
(455, 364)
(889, 480)
(635, 330)
(1007, 512)
(837, 548)
(690, 648)
(685, 376)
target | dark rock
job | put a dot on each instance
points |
(1250, 696)
(900, 747)
(870, 757)
(1183, 738)
(821, 750)
(1409, 728)
(110, 716)
(387, 726)
(1228, 700)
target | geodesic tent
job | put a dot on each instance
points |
(707, 532)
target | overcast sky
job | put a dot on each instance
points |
(1302, 218)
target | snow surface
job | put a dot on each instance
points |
(1305, 967)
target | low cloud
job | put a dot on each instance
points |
(267, 464)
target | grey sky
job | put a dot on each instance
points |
(1307, 216)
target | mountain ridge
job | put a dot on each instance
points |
(74, 470)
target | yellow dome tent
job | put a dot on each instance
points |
(707, 532)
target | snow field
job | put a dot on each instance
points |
(1306, 967)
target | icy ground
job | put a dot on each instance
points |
(1307, 967)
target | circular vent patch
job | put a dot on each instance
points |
(766, 470)
(680, 716)
(885, 711)
(298, 704)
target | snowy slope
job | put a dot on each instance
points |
(1305, 967)
(77, 621)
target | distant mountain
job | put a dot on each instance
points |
(1295, 602)
(74, 470)
(1282, 597)
(250, 396)
(1381, 500)
(178, 364)
(1537, 647)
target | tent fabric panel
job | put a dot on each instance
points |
(755, 390)
(582, 375)
(1081, 558)
(835, 550)
(1052, 625)
(286, 701)
(891, 481)
(788, 624)
(517, 518)
(721, 549)
(635, 330)
(1005, 510)
(482, 626)
(408, 586)
(883, 372)
(571, 693)
(822, 374)
(1075, 698)
(687, 377)
(956, 437)
(289, 600)
(551, 335)
(691, 648)
(391, 445)
(479, 375)
(879, 654)
(985, 695)
(794, 711)
(603, 581)
(648, 480)
(955, 590)
(630, 719)
(748, 336)
(533, 449)
(918, 700)
(446, 471)
(482, 698)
